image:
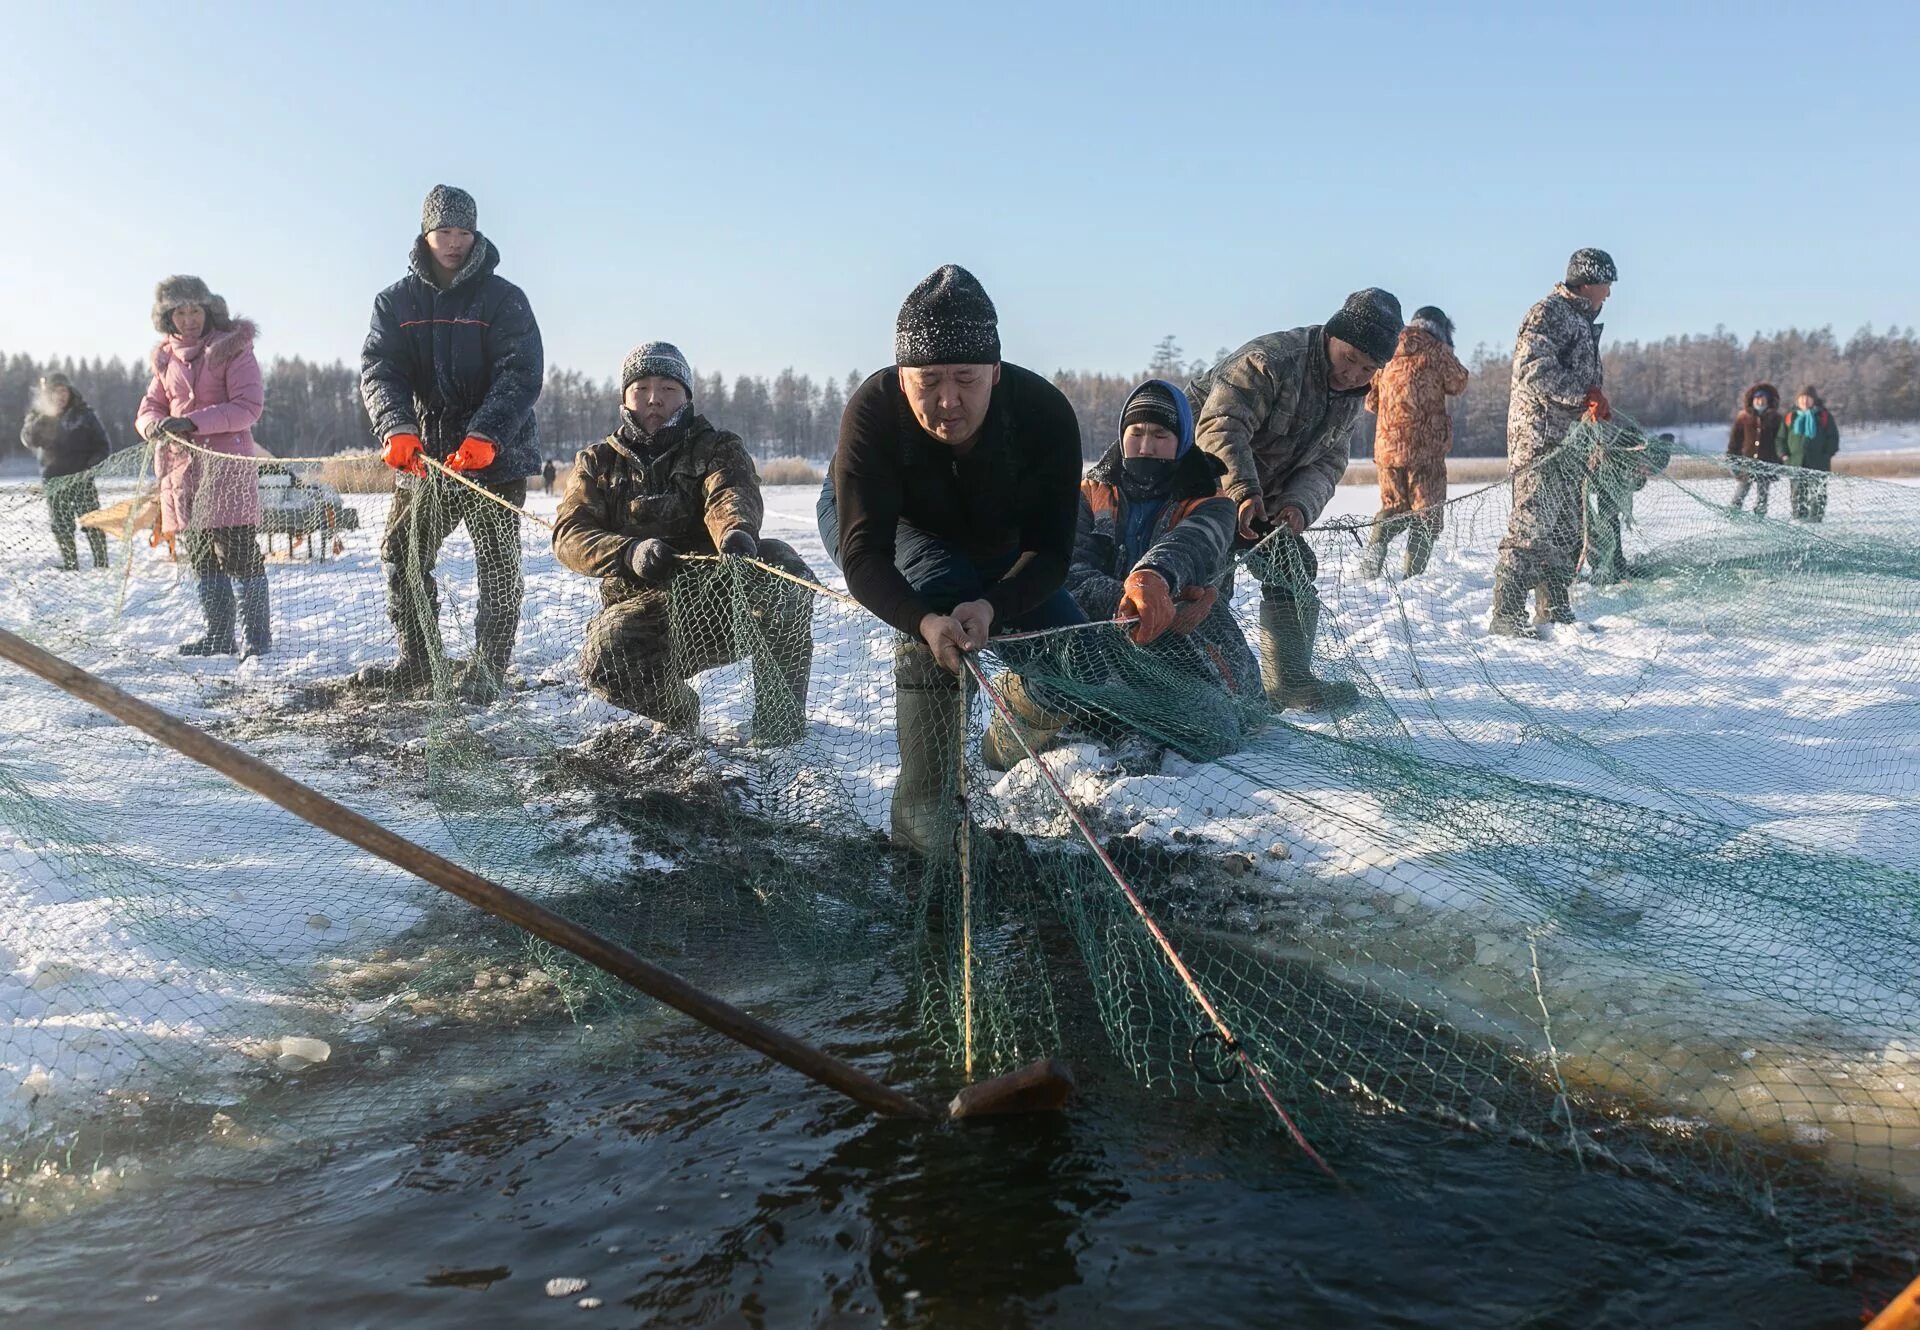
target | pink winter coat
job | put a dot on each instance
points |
(215, 383)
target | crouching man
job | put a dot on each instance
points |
(1154, 545)
(951, 510)
(1279, 412)
(664, 486)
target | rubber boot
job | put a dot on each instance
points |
(216, 602)
(412, 669)
(484, 677)
(930, 719)
(1287, 629)
(69, 553)
(256, 619)
(97, 542)
(1373, 559)
(1510, 607)
(1000, 746)
(678, 709)
(1419, 548)
(1552, 602)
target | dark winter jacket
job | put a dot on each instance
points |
(1756, 434)
(1814, 452)
(689, 485)
(1189, 545)
(1409, 395)
(1269, 412)
(1014, 494)
(1556, 359)
(466, 360)
(68, 443)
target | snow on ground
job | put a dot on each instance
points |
(1725, 714)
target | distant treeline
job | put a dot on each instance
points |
(314, 409)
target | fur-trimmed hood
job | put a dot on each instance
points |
(1771, 393)
(219, 347)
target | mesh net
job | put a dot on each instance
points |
(1643, 891)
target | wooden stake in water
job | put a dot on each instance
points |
(966, 911)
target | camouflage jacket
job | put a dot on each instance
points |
(1410, 394)
(688, 485)
(1269, 412)
(1556, 359)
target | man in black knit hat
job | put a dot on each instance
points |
(1279, 413)
(951, 508)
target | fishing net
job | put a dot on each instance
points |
(1642, 891)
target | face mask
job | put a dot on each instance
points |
(1759, 404)
(1147, 474)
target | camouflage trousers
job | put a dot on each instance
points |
(1544, 531)
(641, 650)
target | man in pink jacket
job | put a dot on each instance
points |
(203, 400)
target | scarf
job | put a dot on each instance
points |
(1806, 424)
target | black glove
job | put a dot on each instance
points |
(179, 425)
(740, 541)
(653, 560)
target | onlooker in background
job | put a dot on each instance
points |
(547, 473)
(1754, 445)
(1812, 439)
(66, 438)
(204, 400)
(1412, 439)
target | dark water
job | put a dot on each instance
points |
(702, 1188)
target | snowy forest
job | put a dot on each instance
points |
(314, 409)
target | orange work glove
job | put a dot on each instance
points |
(1147, 599)
(473, 454)
(1196, 603)
(402, 453)
(1598, 408)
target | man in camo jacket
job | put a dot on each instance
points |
(1557, 380)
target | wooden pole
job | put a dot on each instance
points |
(966, 905)
(341, 821)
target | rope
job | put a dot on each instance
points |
(1153, 928)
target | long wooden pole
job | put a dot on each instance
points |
(339, 820)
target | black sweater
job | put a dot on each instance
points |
(1017, 492)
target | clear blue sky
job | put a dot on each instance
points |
(762, 184)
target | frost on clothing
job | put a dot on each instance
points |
(213, 381)
(1189, 545)
(1556, 360)
(688, 484)
(1269, 412)
(1012, 497)
(466, 360)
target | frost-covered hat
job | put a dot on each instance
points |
(448, 205)
(656, 358)
(174, 292)
(1591, 267)
(947, 320)
(1370, 322)
(1157, 402)
(1434, 320)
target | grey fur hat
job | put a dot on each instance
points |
(1591, 267)
(173, 292)
(1434, 320)
(449, 205)
(656, 358)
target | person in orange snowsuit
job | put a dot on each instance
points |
(1412, 439)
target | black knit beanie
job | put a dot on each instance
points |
(1591, 267)
(1152, 404)
(1370, 322)
(947, 320)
